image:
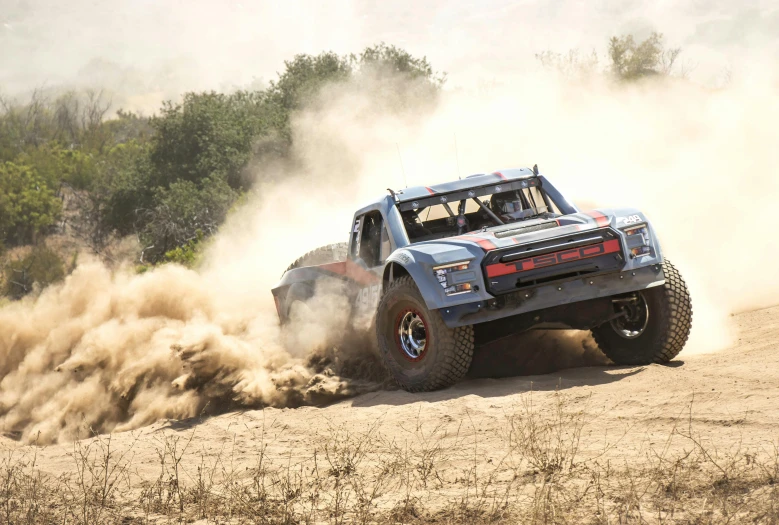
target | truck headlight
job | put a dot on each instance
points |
(640, 251)
(638, 240)
(637, 230)
(451, 280)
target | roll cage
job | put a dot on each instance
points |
(387, 224)
(463, 210)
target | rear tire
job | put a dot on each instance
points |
(324, 254)
(416, 346)
(302, 292)
(657, 329)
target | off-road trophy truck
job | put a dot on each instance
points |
(449, 267)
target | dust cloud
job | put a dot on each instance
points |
(111, 350)
(699, 161)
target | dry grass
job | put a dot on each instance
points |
(541, 476)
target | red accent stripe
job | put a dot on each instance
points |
(499, 174)
(485, 244)
(600, 219)
(351, 270)
(552, 259)
(431, 192)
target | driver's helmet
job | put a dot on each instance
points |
(506, 203)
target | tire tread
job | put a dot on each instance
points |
(676, 316)
(329, 253)
(457, 345)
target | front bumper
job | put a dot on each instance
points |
(553, 294)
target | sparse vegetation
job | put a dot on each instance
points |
(631, 60)
(539, 475)
(628, 60)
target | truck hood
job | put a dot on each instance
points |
(533, 230)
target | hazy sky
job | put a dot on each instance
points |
(167, 46)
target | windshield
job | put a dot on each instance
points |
(446, 219)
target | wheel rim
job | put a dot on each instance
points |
(635, 316)
(412, 334)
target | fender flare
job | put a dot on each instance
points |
(402, 263)
(299, 291)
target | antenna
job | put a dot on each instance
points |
(457, 156)
(401, 165)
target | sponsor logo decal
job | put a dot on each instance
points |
(368, 297)
(632, 219)
(551, 259)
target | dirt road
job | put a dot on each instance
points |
(730, 397)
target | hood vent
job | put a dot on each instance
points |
(526, 229)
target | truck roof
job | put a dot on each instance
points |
(472, 181)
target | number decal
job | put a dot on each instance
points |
(632, 219)
(368, 297)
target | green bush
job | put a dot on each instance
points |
(399, 61)
(28, 206)
(56, 165)
(304, 76)
(182, 212)
(123, 189)
(207, 135)
(40, 268)
(189, 253)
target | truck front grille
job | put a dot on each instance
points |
(583, 253)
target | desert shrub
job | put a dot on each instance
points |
(628, 60)
(38, 269)
(573, 64)
(304, 75)
(56, 164)
(631, 60)
(183, 212)
(188, 254)
(208, 135)
(28, 206)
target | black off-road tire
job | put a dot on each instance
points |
(448, 351)
(667, 329)
(303, 291)
(324, 254)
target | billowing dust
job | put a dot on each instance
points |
(111, 350)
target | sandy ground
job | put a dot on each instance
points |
(730, 397)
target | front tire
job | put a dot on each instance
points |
(416, 346)
(656, 325)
